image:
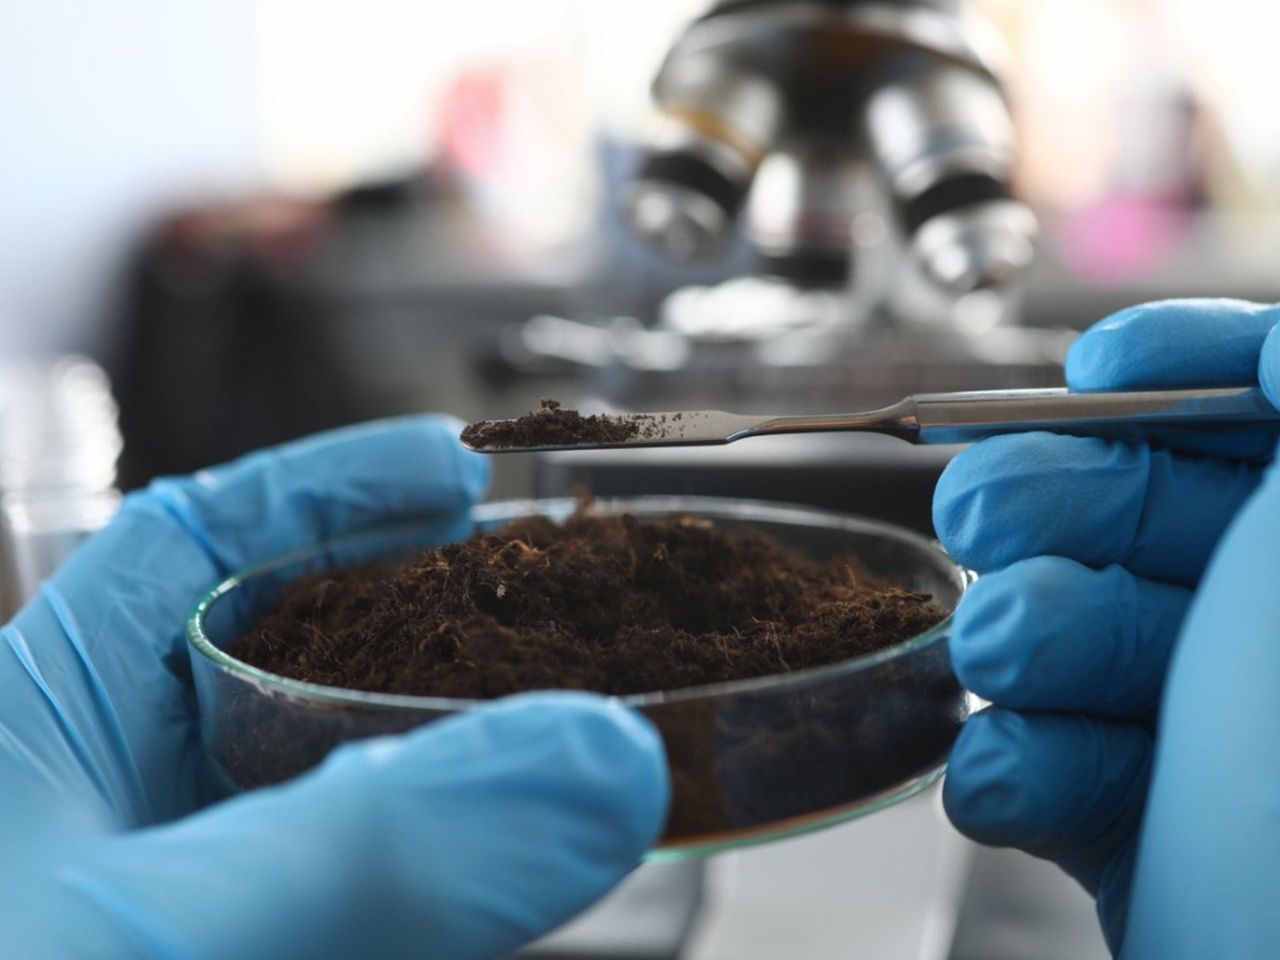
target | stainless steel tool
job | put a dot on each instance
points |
(970, 416)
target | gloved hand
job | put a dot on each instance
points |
(1128, 631)
(463, 839)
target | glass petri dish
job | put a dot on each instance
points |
(750, 761)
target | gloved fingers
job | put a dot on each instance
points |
(461, 840)
(1158, 513)
(105, 681)
(1051, 634)
(1172, 343)
(1064, 787)
(1208, 879)
(323, 486)
(175, 539)
(1180, 343)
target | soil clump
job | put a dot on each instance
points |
(551, 425)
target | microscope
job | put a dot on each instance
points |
(768, 110)
(857, 159)
(841, 172)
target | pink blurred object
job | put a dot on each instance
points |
(1122, 238)
(471, 121)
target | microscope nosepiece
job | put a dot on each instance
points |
(979, 246)
(683, 221)
(715, 126)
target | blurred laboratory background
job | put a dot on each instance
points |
(227, 223)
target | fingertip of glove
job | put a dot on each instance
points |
(1039, 780)
(426, 445)
(1130, 348)
(1269, 366)
(1182, 342)
(991, 614)
(1006, 640)
(394, 452)
(610, 756)
(1098, 358)
(978, 518)
(956, 505)
(1015, 497)
(587, 769)
(984, 793)
(443, 444)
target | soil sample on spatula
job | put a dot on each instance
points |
(551, 425)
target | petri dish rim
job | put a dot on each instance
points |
(811, 823)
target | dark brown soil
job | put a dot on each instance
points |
(551, 425)
(613, 605)
(620, 606)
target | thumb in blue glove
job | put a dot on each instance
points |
(1094, 554)
(463, 839)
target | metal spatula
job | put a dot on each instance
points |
(962, 418)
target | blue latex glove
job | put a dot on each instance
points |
(1128, 631)
(463, 839)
